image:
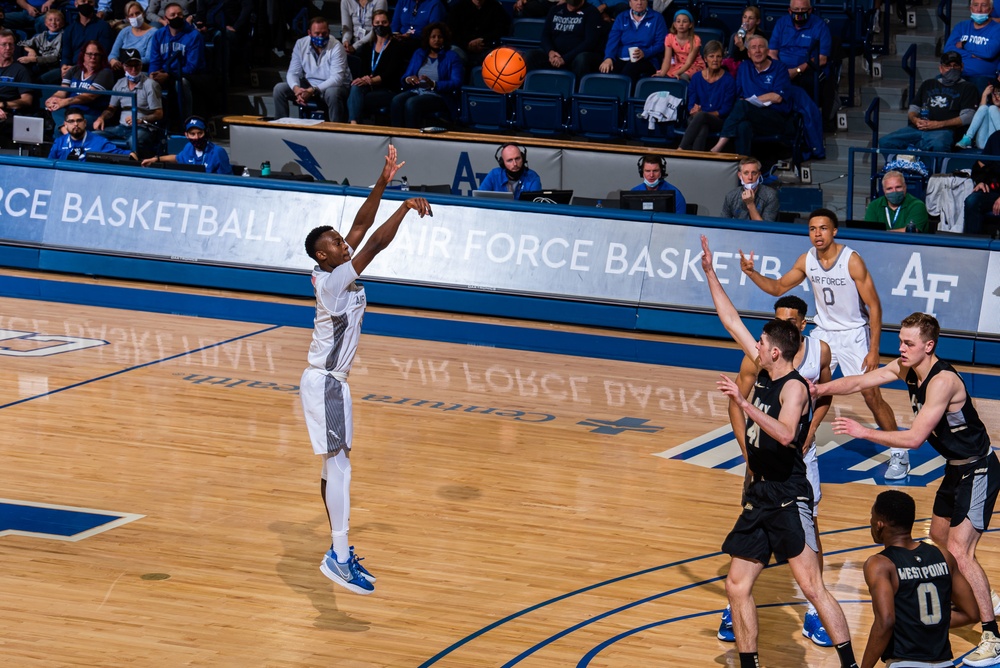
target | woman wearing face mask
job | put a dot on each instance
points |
(381, 66)
(135, 36)
(711, 95)
(431, 82)
(978, 42)
(751, 200)
(896, 209)
(198, 151)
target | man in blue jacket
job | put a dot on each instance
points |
(792, 41)
(77, 142)
(635, 43)
(198, 151)
(177, 58)
(512, 175)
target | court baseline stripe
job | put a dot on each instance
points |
(138, 366)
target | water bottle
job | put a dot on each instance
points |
(246, 171)
(742, 32)
(925, 112)
(600, 204)
(405, 187)
(265, 168)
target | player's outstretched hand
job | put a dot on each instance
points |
(420, 205)
(848, 426)
(706, 256)
(746, 263)
(391, 166)
(729, 388)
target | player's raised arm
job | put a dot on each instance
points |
(384, 235)
(866, 290)
(794, 397)
(772, 286)
(852, 384)
(724, 306)
(365, 217)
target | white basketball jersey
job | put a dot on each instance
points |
(340, 308)
(838, 303)
(810, 367)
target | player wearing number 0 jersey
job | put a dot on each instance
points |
(913, 586)
(326, 396)
(848, 313)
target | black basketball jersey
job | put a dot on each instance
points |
(923, 605)
(767, 458)
(958, 435)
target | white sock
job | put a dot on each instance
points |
(811, 610)
(338, 501)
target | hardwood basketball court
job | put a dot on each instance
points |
(518, 507)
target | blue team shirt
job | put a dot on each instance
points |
(981, 48)
(496, 181)
(680, 204)
(793, 45)
(215, 158)
(717, 96)
(648, 35)
(774, 79)
(65, 146)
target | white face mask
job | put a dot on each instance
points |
(753, 184)
(135, 21)
(651, 184)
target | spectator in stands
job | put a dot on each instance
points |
(710, 98)
(382, 64)
(985, 197)
(985, 121)
(43, 51)
(635, 45)
(91, 73)
(135, 37)
(737, 51)
(431, 82)
(356, 22)
(11, 97)
(177, 59)
(681, 49)
(198, 151)
(513, 175)
(476, 28)
(791, 42)
(978, 41)
(571, 40)
(751, 200)
(410, 17)
(156, 11)
(77, 142)
(900, 211)
(149, 108)
(318, 71)
(653, 170)
(762, 86)
(30, 17)
(949, 102)
(86, 28)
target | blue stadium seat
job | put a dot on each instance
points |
(482, 109)
(525, 34)
(637, 127)
(596, 110)
(540, 104)
(707, 34)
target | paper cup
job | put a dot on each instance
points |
(633, 53)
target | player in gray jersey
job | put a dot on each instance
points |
(848, 313)
(917, 592)
(943, 415)
(777, 516)
(325, 394)
(812, 361)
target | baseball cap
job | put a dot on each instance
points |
(129, 55)
(194, 122)
(951, 57)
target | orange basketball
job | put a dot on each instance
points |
(504, 70)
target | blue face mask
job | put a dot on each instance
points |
(319, 42)
(132, 77)
(895, 198)
(980, 19)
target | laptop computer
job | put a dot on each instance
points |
(28, 130)
(547, 196)
(491, 194)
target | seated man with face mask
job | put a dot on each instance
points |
(512, 175)
(653, 170)
(896, 209)
(751, 200)
(199, 151)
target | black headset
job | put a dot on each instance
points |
(524, 153)
(660, 158)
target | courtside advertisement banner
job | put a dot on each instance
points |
(540, 252)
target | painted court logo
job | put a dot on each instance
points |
(43, 520)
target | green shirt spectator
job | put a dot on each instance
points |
(896, 209)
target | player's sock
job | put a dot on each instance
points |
(749, 660)
(991, 626)
(338, 502)
(811, 610)
(845, 652)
